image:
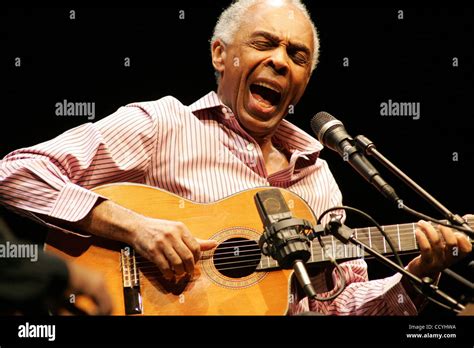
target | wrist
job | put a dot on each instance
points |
(111, 220)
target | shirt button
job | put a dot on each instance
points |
(250, 146)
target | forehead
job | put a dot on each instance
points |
(283, 20)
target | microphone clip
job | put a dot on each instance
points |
(280, 241)
(336, 228)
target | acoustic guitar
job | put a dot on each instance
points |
(233, 279)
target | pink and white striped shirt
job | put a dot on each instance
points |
(199, 152)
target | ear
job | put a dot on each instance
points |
(218, 55)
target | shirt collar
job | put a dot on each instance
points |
(210, 100)
(287, 134)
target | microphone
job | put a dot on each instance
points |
(332, 134)
(283, 238)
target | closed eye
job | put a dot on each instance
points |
(263, 44)
(298, 52)
(299, 58)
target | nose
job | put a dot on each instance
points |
(279, 60)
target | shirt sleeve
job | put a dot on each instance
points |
(54, 178)
(361, 297)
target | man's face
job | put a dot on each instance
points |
(267, 67)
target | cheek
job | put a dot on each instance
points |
(300, 85)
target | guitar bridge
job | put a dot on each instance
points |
(130, 281)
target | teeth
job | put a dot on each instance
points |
(266, 85)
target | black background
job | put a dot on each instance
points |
(408, 60)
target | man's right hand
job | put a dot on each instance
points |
(170, 245)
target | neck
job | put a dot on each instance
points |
(265, 143)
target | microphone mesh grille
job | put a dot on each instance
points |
(319, 120)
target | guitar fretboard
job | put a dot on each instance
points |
(402, 236)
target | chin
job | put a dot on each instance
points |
(258, 126)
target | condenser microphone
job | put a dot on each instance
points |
(283, 238)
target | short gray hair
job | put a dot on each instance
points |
(230, 20)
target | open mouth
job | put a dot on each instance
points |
(265, 94)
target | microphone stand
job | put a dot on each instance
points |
(345, 235)
(368, 147)
(462, 281)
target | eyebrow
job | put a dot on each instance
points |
(274, 38)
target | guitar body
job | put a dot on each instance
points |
(215, 288)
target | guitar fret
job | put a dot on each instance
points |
(414, 236)
(378, 241)
(364, 237)
(370, 238)
(384, 241)
(398, 232)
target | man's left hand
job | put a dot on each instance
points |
(439, 249)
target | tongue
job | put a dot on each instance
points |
(261, 99)
(263, 95)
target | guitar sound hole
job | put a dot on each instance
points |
(237, 257)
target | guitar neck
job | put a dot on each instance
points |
(402, 236)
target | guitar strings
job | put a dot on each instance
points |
(315, 247)
(405, 236)
(259, 258)
(224, 263)
(155, 270)
(205, 266)
(220, 269)
(216, 258)
(316, 250)
(402, 234)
